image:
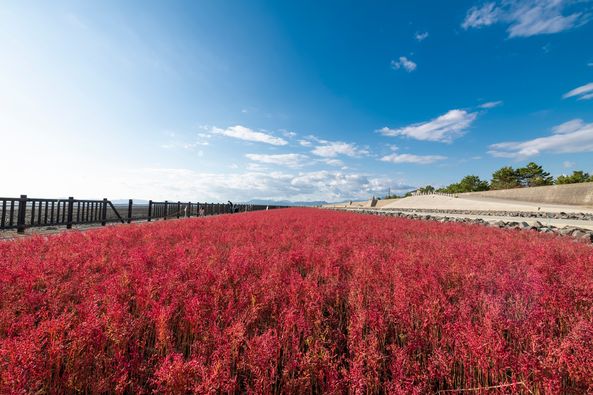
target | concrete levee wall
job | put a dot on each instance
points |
(572, 194)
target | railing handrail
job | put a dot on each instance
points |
(433, 193)
(24, 212)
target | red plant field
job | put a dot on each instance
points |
(293, 301)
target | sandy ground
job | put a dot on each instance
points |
(10, 234)
(437, 202)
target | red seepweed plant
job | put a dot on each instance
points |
(296, 300)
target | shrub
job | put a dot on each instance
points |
(296, 300)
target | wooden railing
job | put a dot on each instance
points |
(24, 212)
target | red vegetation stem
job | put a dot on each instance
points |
(296, 301)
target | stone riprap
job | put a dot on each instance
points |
(577, 232)
(522, 214)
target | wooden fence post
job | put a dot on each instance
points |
(188, 210)
(104, 212)
(70, 212)
(178, 208)
(20, 219)
(149, 210)
(166, 205)
(130, 204)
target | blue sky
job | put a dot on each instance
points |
(308, 100)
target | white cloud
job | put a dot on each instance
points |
(288, 134)
(290, 160)
(331, 149)
(569, 137)
(244, 133)
(256, 167)
(491, 104)
(584, 92)
(444, 128)
(341, 186)
(333, 162)
(541, 17)
(525, 18)
(567, 164)
(421, 36)
(188, 146)
(569, 127)
(411, 158)
(179, 142)
(404, 63)
(185, 184)
(305, 143)
(477, 17)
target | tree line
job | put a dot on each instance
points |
(531, 175)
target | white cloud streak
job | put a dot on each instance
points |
(411, 158)
(584, 92)
(178, 142)
(331, 149)
(491, 104)
(421, 36)
(332, 162)
(246, 134)
(569, 127)
(477, 17)
(525, 18)
(289, 160)
(404, 63)
(444, 128)
(570, 137)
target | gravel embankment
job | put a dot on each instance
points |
(580, 226)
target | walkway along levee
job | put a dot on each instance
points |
(24, 212)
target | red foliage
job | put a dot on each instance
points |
(293, 301)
